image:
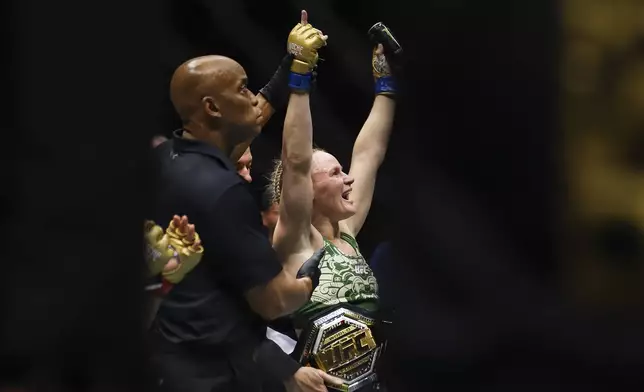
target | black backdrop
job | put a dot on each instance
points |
(472, 183)
(243, 31)
(473, 61)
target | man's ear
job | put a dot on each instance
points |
(210, 107)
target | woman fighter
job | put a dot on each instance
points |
(320, 206)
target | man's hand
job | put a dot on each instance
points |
(303, 43)
(308, 379)
(159, 253)
(310, 269)
(185, 241)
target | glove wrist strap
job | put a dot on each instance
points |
(154, 283)
(301, 67)
(385, 85)
(299, 82)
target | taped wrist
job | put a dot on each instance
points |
(300, 83)
(276, 90)
(274, 362)
(385, 85)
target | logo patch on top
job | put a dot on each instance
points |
(295, 49)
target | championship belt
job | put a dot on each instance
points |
(341, 343)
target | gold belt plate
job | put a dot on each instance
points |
(341, 343)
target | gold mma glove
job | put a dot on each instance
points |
(303, 43)
(158, 250)
(189, 253)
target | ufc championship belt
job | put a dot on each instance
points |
(341, 343)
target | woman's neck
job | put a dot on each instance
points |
(329, 230)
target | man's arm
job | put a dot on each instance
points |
(275, 94)
(267, 109)
(368, 154)
(271, 97)
(236, 238)
(277, 364)
(280, 297)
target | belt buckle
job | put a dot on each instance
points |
(341, 343)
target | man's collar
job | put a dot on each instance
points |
(183, 145)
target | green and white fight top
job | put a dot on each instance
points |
(343, 279)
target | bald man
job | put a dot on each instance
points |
(211, 96)
(210, 325)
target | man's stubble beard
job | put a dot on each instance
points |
(239, 134)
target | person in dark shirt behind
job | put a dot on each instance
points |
(244, 164)
(210, 326)
(270, 212)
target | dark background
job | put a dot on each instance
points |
(241, 30)
(470, 194)
(473, 61)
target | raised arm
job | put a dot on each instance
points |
(296, 199)
(273, 96)
(292, 233)
(267, 109)
(371, 145)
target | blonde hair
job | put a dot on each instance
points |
(275, 179)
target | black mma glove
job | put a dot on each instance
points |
(381, 34)
(310, 268)
(276, 90)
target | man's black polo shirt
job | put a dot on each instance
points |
(208, 307)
